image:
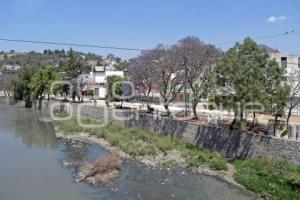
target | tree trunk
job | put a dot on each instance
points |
(28, 104)
(149, 108)
(288, 117)
(194, 107)
(234, 122)
(166, 106)
(275, 124)
(253, 120)
(238, 121)
(243, 123)
(74, 97)
(40, 103)
(121, 106)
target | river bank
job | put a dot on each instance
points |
(267, 177)
(166, 152)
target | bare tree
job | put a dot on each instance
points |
(200, 59)
(294, 99)
(169, 71)
(6, 83)
(143, 76)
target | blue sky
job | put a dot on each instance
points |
(143, 24)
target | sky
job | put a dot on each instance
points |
(143, 24)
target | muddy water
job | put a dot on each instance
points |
(31, 168)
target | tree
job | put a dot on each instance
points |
(110, 56)
(41, 83)
(122, 65)
(6, 83)
(21, 86)
(141, 74)
(241, 77)
(276, 94)
(200, 59)
(294, 100)
(72, 69)
(99, 62)
(168, 68)
(114, 88)
(118, 59)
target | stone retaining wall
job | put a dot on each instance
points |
(230, 143)
(6, 100)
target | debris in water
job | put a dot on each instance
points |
(103, 171)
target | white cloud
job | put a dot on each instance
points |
(274, 19)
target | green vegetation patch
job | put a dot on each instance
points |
(196, 157)
(138, 142)
(269, 178)
(171, 163)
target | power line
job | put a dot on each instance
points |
(136, 49)
(70, 44)
(261, 37)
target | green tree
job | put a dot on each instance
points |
(241, 77)
(72, 69)
(294, 101)
(123, 65)
(21, 86)
(276, 94)
(41, 83)
(114, 87)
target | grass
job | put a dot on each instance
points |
(171, 163)
(138, 142)
(269, 178)
(196, 157)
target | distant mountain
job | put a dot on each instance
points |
(57, 58)
(268, 49)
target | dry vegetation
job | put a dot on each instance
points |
(104, 170)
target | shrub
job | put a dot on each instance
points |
(269, 178)
(218, 164)
(171, 163)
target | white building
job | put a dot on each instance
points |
(291, 64)
(99, 80)
(11, 67)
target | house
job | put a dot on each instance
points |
(291, 64)
(99, 79)
(11, 67)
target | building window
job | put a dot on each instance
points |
(284, 62)
(285, 78)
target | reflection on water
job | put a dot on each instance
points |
(31, 169)
(26, 125)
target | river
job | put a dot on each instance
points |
(31, 168)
